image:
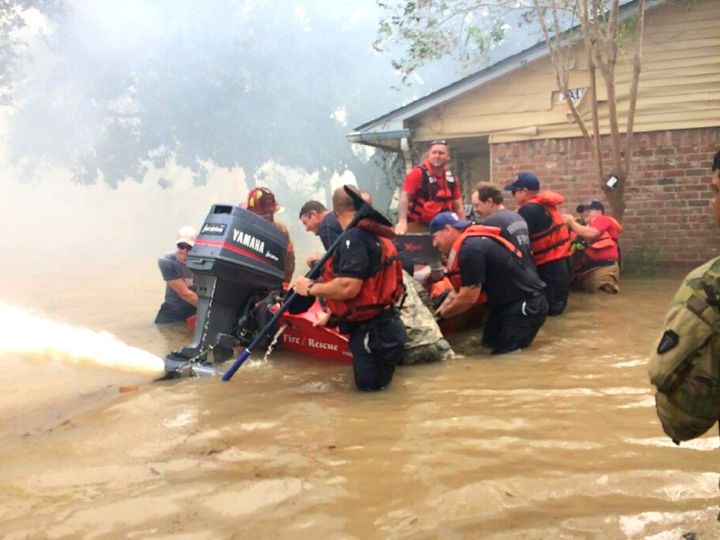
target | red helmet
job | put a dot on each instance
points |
(262, 201)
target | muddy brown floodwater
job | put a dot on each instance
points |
(559, 441)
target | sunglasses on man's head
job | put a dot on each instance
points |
(184, 247)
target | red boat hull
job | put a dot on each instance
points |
(302, 337)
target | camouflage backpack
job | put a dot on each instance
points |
(685, 366)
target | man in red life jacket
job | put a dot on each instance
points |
(597, 264)
(261, 201)
(549, 237)
(361, 283)
(479, 257)
(429, 189)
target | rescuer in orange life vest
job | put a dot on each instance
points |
(361, 283)
(596, 252)
(261, 201)
(549, 237)
(478, 256)
(429, 189)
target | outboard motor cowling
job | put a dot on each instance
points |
(237, 258)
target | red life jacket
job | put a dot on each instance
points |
(432, 197)
(453, 263)
(383, 286)
(554, 242)
(604, 241)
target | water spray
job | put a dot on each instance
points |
(30, 336)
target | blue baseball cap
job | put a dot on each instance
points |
(447, 218)
(524, 180)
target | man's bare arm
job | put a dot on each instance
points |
(464, 300)
(403, 204)
(340, 288)
(183, 291)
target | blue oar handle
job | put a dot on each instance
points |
(236, 365)
(261, 334)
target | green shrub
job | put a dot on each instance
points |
(641, 261)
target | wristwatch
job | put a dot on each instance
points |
(309, 287)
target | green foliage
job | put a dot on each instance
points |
(392, 168)
(433, 29)
(641, 261)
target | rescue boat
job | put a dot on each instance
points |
(239, 260)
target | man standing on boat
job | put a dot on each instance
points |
(361, 283)
(429, 189)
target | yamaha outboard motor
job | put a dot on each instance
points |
(238, 259)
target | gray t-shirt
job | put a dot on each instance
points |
(174, 309)
(514, 229)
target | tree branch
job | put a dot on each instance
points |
(555, 59)
(637, 67)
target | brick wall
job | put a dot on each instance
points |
(668, 195)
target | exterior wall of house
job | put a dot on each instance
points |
(679, 86)
(668, 194)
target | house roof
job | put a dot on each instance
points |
(387, 130)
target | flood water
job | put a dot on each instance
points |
(559, 441)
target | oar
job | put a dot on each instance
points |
(364, 211)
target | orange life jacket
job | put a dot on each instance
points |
(453, 263)
(438, 288)
(380, 291)
(554, 242)
(431, 198)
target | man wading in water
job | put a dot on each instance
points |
(479, 257)
(361, 283)
(180, 297)
(685, 365)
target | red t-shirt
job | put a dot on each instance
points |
(413, 181)
(605, 224)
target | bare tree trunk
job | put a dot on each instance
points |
(637, 67)
(597, 141)
(558, 63)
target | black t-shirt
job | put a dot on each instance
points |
(537, 217)
(329, 230)
(513, 228)
(359, 252)
(506, 279)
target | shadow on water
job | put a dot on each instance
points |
(558, 441)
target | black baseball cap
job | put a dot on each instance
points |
(594, 205)
(524, 180)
